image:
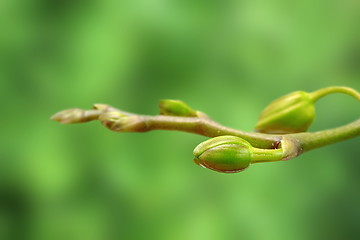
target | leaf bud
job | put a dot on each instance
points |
(75, 115)
(119, 122)
(171, 107)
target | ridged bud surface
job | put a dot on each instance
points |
(224, 154)
(291, 113)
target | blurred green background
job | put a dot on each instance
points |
(227, 58)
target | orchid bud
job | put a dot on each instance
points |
(295, 112)
(289, 114)
(224, 154)
(229, 154)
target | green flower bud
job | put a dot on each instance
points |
(295, 112)
(229, 154)
(289, 114)
(224, 154)
(171, 107)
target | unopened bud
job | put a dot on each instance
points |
(224, 154)
(289, 114)
(295, 112)
(171, 107)
(230, 154)
(119, 122)
(75, 115)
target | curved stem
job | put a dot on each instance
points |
(335, 89)
(313, 140)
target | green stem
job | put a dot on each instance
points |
(335, 89)
(313, 140)
(267, 155)
(292, 144)
(206, 128)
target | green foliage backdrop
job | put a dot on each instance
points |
(227, 58)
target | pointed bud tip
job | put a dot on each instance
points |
(68, 116)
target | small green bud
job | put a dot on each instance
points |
(289, 114)
(171, 107)
(224, 154)
(295, 112)
(230, 154)
(119, 122)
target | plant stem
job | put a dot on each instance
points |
(313, 140)
(121, 121)
(201, 126)
(335, 89)
(267, 155)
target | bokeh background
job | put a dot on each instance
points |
(227, 58)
